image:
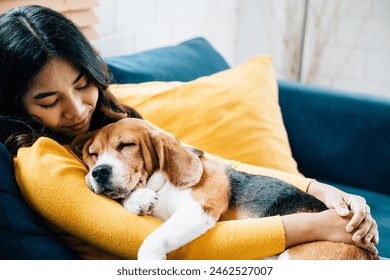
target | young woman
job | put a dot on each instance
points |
(54, 86)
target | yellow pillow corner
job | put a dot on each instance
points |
(234, 114)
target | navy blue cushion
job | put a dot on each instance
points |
(22, 235)
(184, 62)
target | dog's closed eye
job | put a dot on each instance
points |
(92, 153)
(124, 145)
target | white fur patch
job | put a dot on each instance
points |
(117, 169)
(140, 202)
(156, 181)
(184, 219)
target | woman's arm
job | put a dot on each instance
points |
(356, 226)
(52, 182)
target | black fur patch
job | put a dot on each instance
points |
(262, 196)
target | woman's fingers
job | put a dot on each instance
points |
(335, 225)
(363, 229)
(372, 234)
(359, 208)
(361, 225)
(370, 247)
(341, 208)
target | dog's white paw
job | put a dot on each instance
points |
(144, 254)
(140, 202)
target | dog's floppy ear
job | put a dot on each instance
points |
(181, 167)
(196, 151)
(149, 154)
(78, 143)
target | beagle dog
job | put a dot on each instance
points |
(150, 172)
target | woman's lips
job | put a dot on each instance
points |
(78, 125)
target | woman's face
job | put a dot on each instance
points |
(62, 97)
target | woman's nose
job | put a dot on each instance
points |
(73, 108)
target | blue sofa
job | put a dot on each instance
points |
(336, 137)
(342, 138)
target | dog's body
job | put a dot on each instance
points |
(152, 173)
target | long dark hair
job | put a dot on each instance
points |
(29, 37)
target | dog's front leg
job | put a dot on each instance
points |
(186, 224)
(140, 202)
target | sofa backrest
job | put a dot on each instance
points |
(338, 136)
(183, 62)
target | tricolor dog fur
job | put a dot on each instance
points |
(151, 172)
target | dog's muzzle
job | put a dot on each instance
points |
(102, 173)
(102, 181)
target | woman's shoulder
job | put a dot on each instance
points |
(45, 147)
(45, 156)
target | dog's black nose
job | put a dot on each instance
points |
(101, 173)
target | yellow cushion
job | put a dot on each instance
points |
(234, 114)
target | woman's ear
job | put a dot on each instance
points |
(181, 167)
(78, 143)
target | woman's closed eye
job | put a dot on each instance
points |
(83, 83)
(51, 105)
(47, 100)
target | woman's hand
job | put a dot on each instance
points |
(323, 226)
(329, 227)
(361, 224)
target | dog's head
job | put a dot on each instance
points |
(121, 156)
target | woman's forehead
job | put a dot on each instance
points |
(56, 73)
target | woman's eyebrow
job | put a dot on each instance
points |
(42, 95)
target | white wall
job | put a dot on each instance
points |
(355, 55)
(347, 42)
(128, 26)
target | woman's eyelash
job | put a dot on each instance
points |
(85, 85)
(52, 105)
